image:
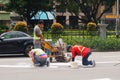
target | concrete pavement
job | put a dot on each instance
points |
(20, 68)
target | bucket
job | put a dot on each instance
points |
(74, 65)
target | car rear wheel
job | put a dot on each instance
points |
(27, 49)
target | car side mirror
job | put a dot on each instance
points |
(1, 38)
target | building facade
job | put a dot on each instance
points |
(68, 19)
(4, 16)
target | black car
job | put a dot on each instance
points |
(15, 42)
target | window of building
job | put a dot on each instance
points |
(1, 7)
(110, 10)
(61, 19)
(73, 21)
(111, 24)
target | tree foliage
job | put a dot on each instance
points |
(88, 7)
(28, 8)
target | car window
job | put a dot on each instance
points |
(21, 35)
(14, 35)
(7, 36)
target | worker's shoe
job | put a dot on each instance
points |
(37, 64)
(93, 63)
(47, 63)
(90, 66)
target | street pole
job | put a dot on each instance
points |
(117, 20)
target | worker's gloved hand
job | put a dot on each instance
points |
(42, 41)
(73, 59)
(74, 65)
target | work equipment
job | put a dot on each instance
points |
(55, 52)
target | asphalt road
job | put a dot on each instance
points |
(21, 68)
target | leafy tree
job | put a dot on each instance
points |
(28, 8)
(88, 7)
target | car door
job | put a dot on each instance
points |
(9, 44)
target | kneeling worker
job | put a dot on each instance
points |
(39, 57)
(78, 50)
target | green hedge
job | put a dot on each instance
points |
(109, 44)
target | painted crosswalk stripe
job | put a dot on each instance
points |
(17, 66)
(52, 65)
(102, 79)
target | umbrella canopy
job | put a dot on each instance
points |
(44, 15)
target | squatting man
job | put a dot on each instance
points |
(79, 50)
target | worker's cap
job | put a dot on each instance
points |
(40, 22)
(68, 47)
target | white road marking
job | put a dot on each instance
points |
(111, 56)
(16, 66)
(52, 65)
(102, 79)
(109, 62)
(67, 64)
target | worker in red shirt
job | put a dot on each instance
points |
(79, 50)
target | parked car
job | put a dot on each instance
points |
(15, 42)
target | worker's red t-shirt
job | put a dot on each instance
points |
(78, 50)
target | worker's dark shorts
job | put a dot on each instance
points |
(40, 61)
(85, 60)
